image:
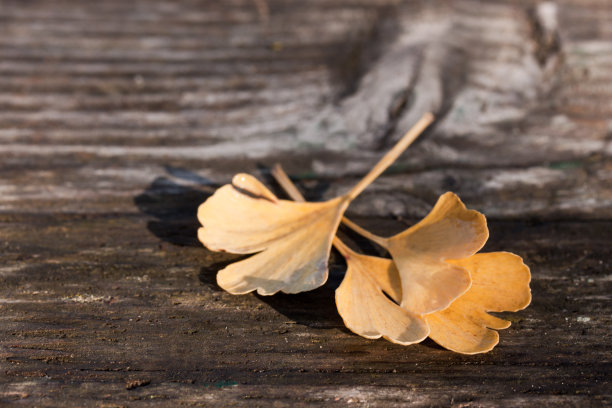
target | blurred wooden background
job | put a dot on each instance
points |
(117, 118)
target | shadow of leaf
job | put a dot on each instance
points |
(174, 205)
(315, 308)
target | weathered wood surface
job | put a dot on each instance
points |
(118, 118)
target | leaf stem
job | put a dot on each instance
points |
(285, 182)
(391, 155)
(365, 233)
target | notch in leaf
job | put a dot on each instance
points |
(292, 240)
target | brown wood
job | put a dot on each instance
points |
(118, 118)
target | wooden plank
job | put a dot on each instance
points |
(97, 301)
(117, 119)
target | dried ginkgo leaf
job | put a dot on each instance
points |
(366, 310)
(500, 283)
(361, 299)
(293, 239)
(449, 231)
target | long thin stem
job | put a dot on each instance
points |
(391, 155)
(365, 233)
(285, 182)
(283, 179)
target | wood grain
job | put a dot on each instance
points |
(117, 119)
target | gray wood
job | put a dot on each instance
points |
(118, 118)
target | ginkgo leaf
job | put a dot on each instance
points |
(449, 231)
(361, 298)
(500, 282)
(364, 307)
(293, 239)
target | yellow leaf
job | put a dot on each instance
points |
(364, 307)
(295, 238)
(500, 282)
(449, 231)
